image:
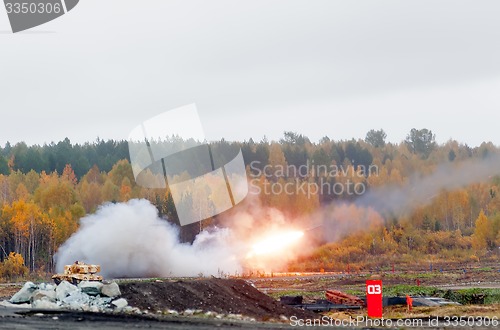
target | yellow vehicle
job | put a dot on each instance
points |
(77, 272)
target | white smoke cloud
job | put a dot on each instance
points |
(342, 219)
(130, 240)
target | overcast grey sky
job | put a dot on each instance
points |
(255, 68)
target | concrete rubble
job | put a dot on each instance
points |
(111, 290)
(24, 295)
(86, 296)
(120, 304)
(91, 288)
(93, 296)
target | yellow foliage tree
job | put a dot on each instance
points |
(29, 225)
(481, 233)
(13, 266)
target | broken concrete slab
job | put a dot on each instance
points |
(76, 300)
(45, 303)
(64, 289)
(92, 288)
(46, 287)
(100, 302)
(119, 303)
(24, 295)
(5, 303)
(111, 290)
(40, 294)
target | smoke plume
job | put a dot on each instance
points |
(130, 240)
(341, 219)
(421, 189)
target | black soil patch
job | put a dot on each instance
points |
(223, 296)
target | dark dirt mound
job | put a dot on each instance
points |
(216, 295)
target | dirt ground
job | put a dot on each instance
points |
(7, 290)
(313, 286)
(254, 298)
(226, 296)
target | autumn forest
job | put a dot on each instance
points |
(46, 189)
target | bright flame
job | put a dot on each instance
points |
(275, 243)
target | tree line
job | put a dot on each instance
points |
(54, 157)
